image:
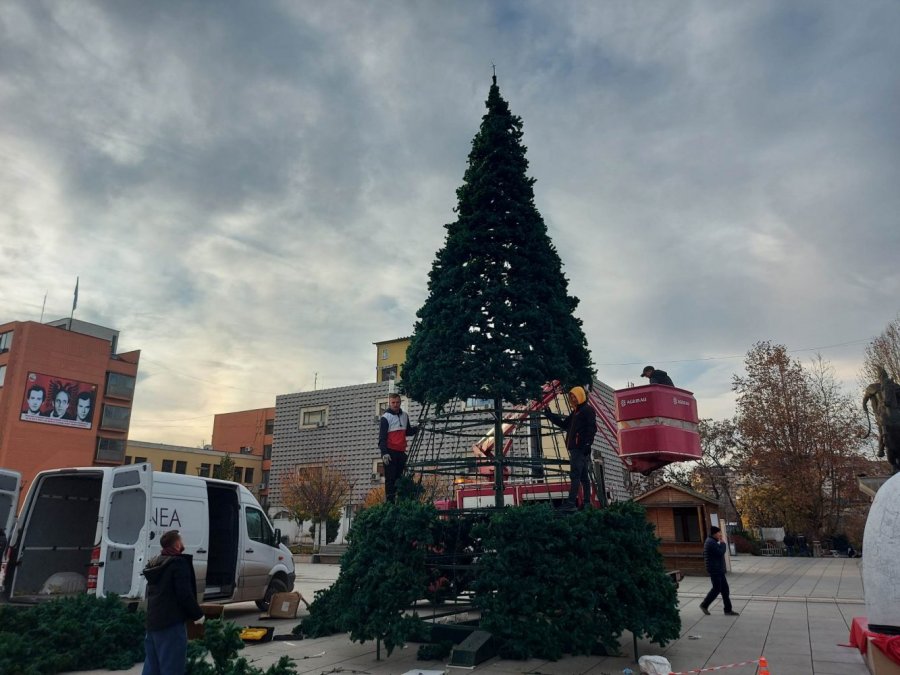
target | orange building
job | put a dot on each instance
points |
(65, 396)
(247, 432)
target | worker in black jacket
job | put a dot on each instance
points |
(581, 427)
(714, 557)
(171, 602)
(657, 376)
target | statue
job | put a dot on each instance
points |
(885, 397)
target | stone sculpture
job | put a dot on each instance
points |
(885, 398)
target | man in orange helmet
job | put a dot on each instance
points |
(581, 427)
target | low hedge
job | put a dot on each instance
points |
(78, 633)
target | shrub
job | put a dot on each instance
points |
(549, 585)
(222, 641)
(79, 633)
(383, 572)
(744, 543)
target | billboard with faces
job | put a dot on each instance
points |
(57, 400)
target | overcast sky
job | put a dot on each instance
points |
(254, 192)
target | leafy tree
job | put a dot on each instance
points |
(374, 497)
(498, 321)
(225, 469)
(315, 492)
(802, 442)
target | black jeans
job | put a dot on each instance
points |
(579, 461)
(392, 473)
(719, 585)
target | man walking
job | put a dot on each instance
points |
(392, 433)
(171, 601)
(714, 557)
(581, 427)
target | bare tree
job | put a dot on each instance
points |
(883, 351)
(315, 493)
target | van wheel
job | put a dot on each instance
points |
(275, 586)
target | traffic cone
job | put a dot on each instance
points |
(763, 666)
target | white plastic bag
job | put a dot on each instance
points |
(655, 665)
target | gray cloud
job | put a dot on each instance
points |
(254, 192)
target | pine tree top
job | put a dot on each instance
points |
(498, 321)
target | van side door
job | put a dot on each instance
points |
(125, 511)
(256, 554)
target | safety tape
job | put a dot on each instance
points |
(730, 665)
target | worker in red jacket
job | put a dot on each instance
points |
(392, 433)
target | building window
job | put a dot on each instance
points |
(127, 459)
(115, 417)
(248, 475)
(110, 450)
(381, 406)
(238, 474)
(265, 479)
(2, 374)
(120, 386)
(180, 467)
(384, 354)
(204, 470)
(389, 373)
(6, 341)
(267, 452)
(479, 403)
(167, 465)
(310, 418)
(140, 460)
(270, 427)
(687, 525)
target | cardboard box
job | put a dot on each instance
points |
(284, 605)
(878, 662)
(196, 632)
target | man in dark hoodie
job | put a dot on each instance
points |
(171, 602)
(714, 557)
(657, 376)
(581, 427)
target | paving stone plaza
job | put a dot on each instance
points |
(794, 611)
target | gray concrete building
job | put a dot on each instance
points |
(340, 426)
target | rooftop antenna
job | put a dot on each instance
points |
(43, 307)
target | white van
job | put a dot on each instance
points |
(95, 528)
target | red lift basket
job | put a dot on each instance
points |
(657, 425)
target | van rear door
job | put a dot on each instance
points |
(126, 507)
(10, 485)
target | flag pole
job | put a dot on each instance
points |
(74, 303)
(43, 307)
